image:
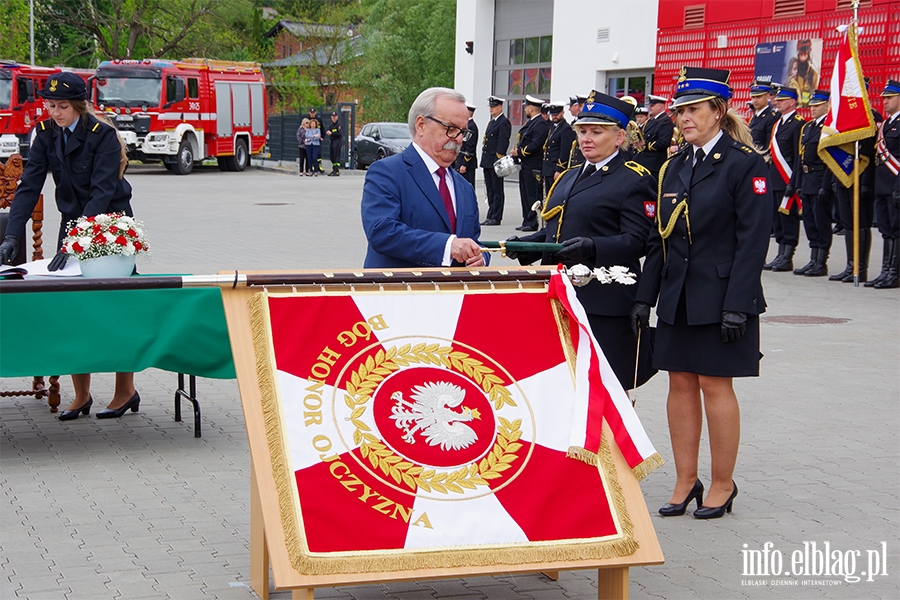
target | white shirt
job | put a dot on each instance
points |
(784, 118)
(597, 165)
(707, 147)
(432, 167)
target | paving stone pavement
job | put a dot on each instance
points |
(138, 508)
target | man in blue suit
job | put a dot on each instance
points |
(417, 210)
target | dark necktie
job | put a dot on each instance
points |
(700, 154)
(590, 170)
(445, 196)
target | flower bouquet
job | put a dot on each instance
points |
(105, 245)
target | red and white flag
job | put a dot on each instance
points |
(850, 118)
(466, 422)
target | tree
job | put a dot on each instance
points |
(14, 41)
(408, 46)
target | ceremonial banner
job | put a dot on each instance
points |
(850, 118)
(438, 429)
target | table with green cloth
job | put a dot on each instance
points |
(181, 330)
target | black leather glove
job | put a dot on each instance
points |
(734, 324)
(58, 262)
(823, 195)
(640, 317)
(512, 253)
(577, 249)
(788, 191)
(834, 186)
(865, 191)
(8, 249)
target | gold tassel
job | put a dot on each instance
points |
(649, 464)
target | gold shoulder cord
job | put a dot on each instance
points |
(546, 215)
(682, 207)
(802, 145)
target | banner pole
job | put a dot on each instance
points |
(856, 214)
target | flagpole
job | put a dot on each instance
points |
(854, 24)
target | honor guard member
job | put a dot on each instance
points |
(529, 150)
(809, 180)
(763, 119)
(576, 103)
(335, 138)
(466, 161)
(784, 146)
(640, 116)
(657, 134)
(493, 148)
(545, 111)
(843, 200)
(557, 147)
(602, 213)
(887, 187)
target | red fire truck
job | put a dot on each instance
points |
(182, 112)
(20, 105)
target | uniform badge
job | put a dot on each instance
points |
(759, 185)
(650, 208)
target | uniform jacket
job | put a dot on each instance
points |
(885, 181)
(657, 133)
(86, 173)
(761, 128)
(496, 141)
(809, 172)
(614, 208)
(576, 158)
(788, 139)
(467, 157)
(334, 132)
(719, 262)
(557, 148)
(404, 217)
(531, 143)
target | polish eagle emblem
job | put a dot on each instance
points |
(431, 414)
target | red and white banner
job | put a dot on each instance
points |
(850, 118)
(455, 421)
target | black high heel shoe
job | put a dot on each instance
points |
(676, 510)
(115, 413)
(68, 415)
(706, 512)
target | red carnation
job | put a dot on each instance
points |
(98, 228)
(132, 233)
(138, 246)
(114, 229)
(99, 239)
(77, 248)
(74, 232)
(90, 219)
(121, 241)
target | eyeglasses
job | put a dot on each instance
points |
(453, 131)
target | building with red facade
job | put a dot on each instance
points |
(723, 34)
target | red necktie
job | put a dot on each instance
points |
(445, 196)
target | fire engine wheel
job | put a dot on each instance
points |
(184, 162)
(241, 156)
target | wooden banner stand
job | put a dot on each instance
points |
(268, 546)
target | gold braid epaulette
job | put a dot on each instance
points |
(682, 207)
(546, 215)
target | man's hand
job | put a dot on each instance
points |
(8, 249)
(59, 261)
(556, 175)
(823, 195)
(514, 151)
(464, 250)
(789, 191)
(512, 253)
(462, 170)
(734, 324)
(577, 249)
(640, 317)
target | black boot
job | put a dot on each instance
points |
(865, 245)
(848, 270)
(813, 252)
(782, 248)
(820, 269)
(887, 248)
(787, 260)
(892, 279)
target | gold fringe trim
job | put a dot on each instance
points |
(613, 546)
(649, 464)
(585, 456)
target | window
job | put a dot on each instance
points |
(629, 85)
(193, 88)
(530, 59)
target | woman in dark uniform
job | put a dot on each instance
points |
(602, 212)
(87, 160)
(704, 260)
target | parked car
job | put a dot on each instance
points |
(377, 140)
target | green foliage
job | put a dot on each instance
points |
(408, 47)
(295, 89)
(14, 41)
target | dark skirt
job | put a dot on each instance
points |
(699, 348)
(619, 346)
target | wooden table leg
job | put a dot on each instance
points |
(53, 397)
(303, 593)
(612, 584)
(551, 575)
(259, 553)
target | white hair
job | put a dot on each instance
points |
(424, 105)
